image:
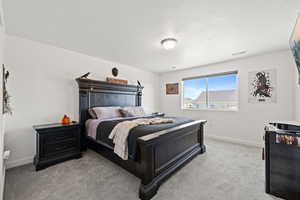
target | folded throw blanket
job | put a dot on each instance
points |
(120, 133)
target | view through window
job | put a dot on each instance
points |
(217, 92)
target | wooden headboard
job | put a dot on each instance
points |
(93, 93)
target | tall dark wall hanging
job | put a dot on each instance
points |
(6, 97)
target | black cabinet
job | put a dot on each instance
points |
(283, 160)
(56, 143)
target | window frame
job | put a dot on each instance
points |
(206, 81)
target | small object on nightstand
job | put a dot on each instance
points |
(56, 143)
(66, 120)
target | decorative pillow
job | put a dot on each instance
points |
(107, 112)
(125, 113)
(132, 111)
(92, 113)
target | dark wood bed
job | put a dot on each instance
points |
(161, 153)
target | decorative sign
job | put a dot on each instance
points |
(115, 80)
(172, 88)
(262, 86)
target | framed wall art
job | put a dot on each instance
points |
(262, 86)
(172, 88)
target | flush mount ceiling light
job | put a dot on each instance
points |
(169, 43)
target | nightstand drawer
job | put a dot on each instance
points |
(60, 136)
(50, 149)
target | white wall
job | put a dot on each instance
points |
(43, 89)
(247, 125)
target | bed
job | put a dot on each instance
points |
(155, 154)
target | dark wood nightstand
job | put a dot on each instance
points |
(56, 143)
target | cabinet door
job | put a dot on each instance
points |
(284, 169)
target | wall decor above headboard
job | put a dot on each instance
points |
(94, 93)
(116, 80)
(90, 84)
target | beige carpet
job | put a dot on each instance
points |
(225, 172)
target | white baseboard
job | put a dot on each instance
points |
(20, 162)
(235, 141)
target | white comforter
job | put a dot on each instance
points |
(120, 133)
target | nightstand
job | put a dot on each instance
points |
(56, 143)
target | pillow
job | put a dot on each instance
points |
(132, 111)
(107, 112)
(125, 113)
(92, 113)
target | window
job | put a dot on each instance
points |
(216, 92)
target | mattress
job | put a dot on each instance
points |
(100, 129)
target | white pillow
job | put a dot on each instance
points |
(107, 112)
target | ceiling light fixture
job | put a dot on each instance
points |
(169, 43)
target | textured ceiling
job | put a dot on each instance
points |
(130, 32)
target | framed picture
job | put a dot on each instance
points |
(172, 88)
(295, 45)
(262, 86)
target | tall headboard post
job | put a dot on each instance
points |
(94, 93)
(139, 96)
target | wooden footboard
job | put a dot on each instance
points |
(164, 152)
